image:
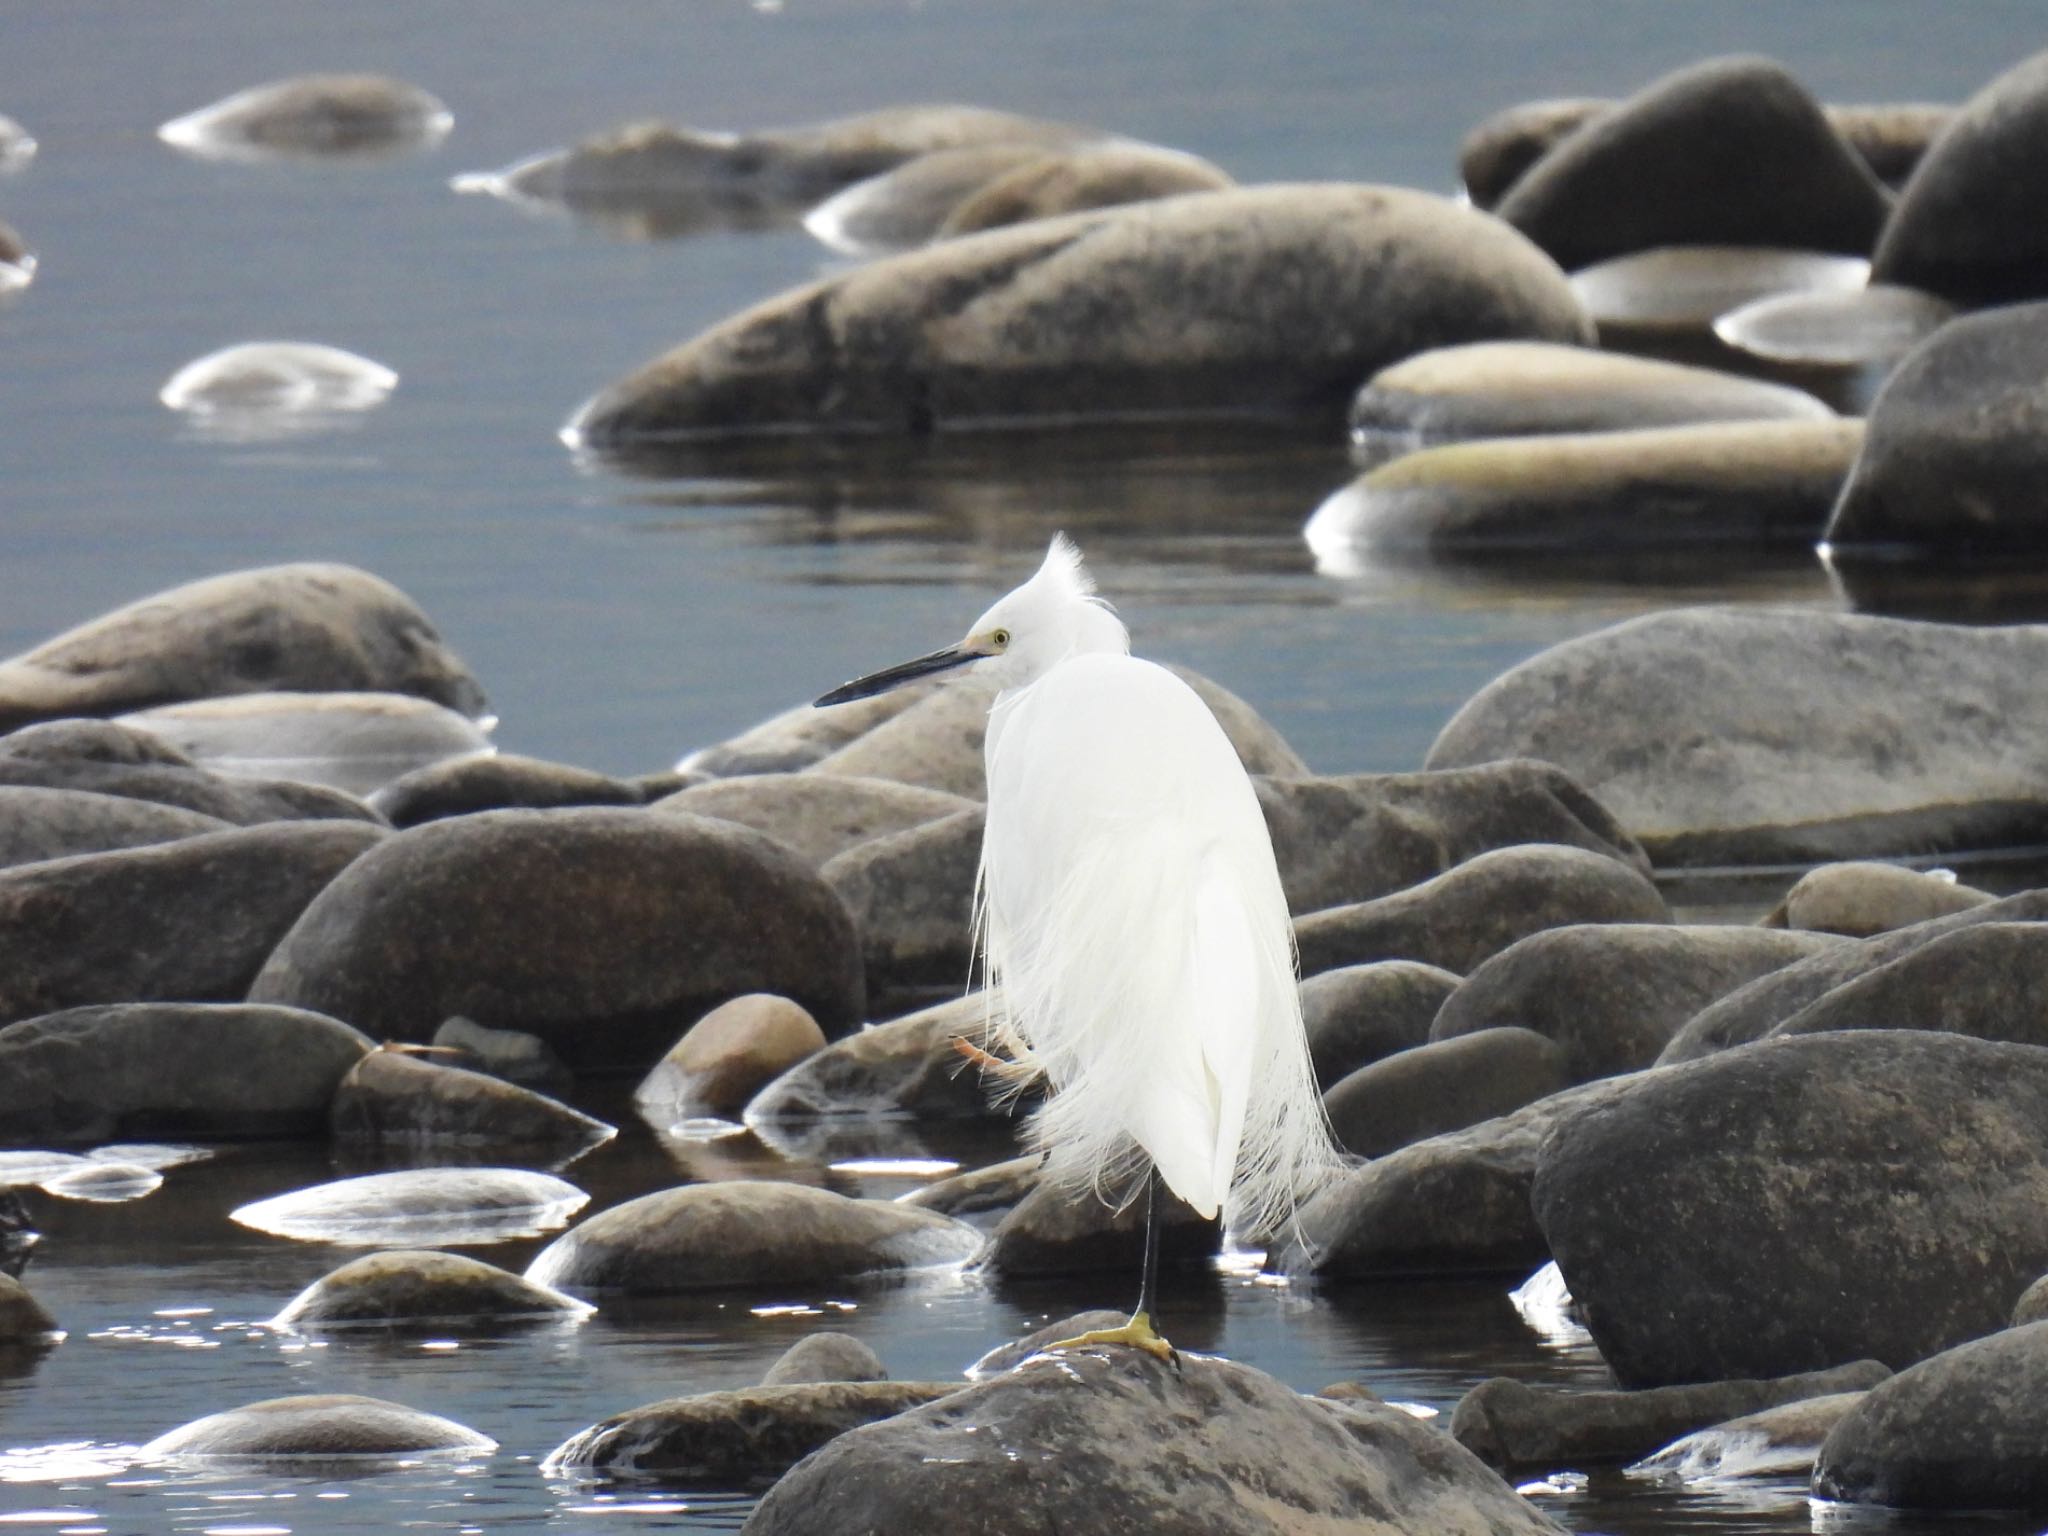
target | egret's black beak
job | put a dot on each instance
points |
(896, 676)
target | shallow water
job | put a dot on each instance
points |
(622, 615)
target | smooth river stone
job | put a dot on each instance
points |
(1846, 328)
(419, 1207)
(908, 1066)
(281, 378)
(1357, 1014)
(391, 1097)
(318, 1427)
(1734, 736)
(1687, 288)
(1745, 483)
(1213, 304)
(304, 628)
(1984, 979)
(746, 1235)
(312, 115)
(1443, 1085)
(726, 1057)
(906, 205)
(420, 1287)
(38, 823)
(1862, 897)
(1074, 180)
(501, 781)
(816, 815)
(1771, 1442)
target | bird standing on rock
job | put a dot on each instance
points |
(1132, 924)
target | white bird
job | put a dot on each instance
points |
(1132, 923)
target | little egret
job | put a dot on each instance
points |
(1132, 924)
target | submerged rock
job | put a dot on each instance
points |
(1676, 164)
(995, 1187)
(258, 379)
(318, 1427)
(420, 1207)
(726, 1057)
(191, 920)
(1474, 911)
(219, 1071)
(1444, 1085)
(414, 1287)
(1357, 1014)
(1768, 1443)
(1728, 736)
(306, 627)
(1960, 1431)
(1751, 484)
(1862, 897)
(751, 1233)
(605, 932)
(1010, 325)
(501, 781)
(825, 1356)
(1090, 1442)
(312, 115)
(1917, 1214)
(392, 1097)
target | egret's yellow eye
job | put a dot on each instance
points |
(999, 638)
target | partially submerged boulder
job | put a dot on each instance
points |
(411, 1288)
(317, 1427)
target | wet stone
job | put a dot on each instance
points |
(1768, 1443)
(391, 1097)
(420, 1207)
(998, 1186)
(825, 1356)
(38, 823)
(508, 1053)
(911, 895)
(498, 782)
(908, 1065)
(259, 388)
(312, 116)
(317, 1427)
(23, 1319)
(1444, 1085)
(907, 205)
(1357, 1014)
(725, 1058)
(1058, 1231)
(413, 1288)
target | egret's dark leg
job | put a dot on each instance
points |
(1148, 1281)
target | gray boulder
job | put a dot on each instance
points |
(908, 1066)
(189, 921)
(317, 1427)
(463, 785)
(745, 1234)
(1357, 1014)
(1862, 897)
(1989, 980)
(422, 1288)
(1613, 994)
(1676, 163)
(1445, 1085)
(1093, 1442)
(1508, 1423)
(911, 896)
(742, 1439)
(308, 627)
(1967, 224)
(1956, 440)
(1732, 736)
(825, 1356)
(605, 932)
(1059, 1231)
(37, 824)
(816, 815)
(1474, 911)
(1011, 325)
(391, 1097)
(216, 1071)
(1886, 1191)
(1076, 180)
(1960, 1431)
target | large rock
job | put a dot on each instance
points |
(392, 1097)
(1989, 980)
(1093, 1442)
(1357, 1014)
(135, 1070)
(1746, 483)
(1477, 909)
(1527, 388)
(411, 1288)
(1958, 440)
(37, 824)
(745, 1234)
(1508, 1423)
(499, 782)
(286, 627)
(317, 1427)
(911, 896)
(1967, 226)
(1802, 1202)
(605, 932)
(1613, 994)
(1446, 1085)
(1729, 736)
(742, 1439)
(1676, 164)
(816, 815)
(908, 1066)
(1211, 303)
(189, 921)
(1455, 1204)
(1960, 1431)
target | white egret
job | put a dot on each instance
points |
(1132, 923)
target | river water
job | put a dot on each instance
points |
(619, 620)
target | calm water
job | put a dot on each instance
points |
(619, 620)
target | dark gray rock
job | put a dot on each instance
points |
(1958, 438)
(1007, 1357)
(317, 1427)
(1989, 980)
(1176, 308)
(825, 1356)
(1676, 163)
(37, 824)
(1960, 1431)
(1357, 1014)
(1075, 180)
(1508, 1423)
(742, 1439)
(1058, 1231)
(1446, 1085)
(1455, 1204)
(911, 896)
(417, 1288)
(189, 921)
(1094, 1442)
(495, 783)
(817, 815)
(908, 1066)
(1887, 1191)
(1613, 994)
(1733, 736)
(1749, 483)
(1967, 224)
(605, 932)
(745, 1234)
(1861, 898)
(23, 1319)
(312, 116)
(2032, 1307)
(392, 1097)
(727, 1056)
(305, 627)
(1479, 908)
(217, 1071)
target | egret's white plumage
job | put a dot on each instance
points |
(1136, 938)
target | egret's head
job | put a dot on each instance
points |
(1054, 615)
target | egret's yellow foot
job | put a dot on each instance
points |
(1138, 1333)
